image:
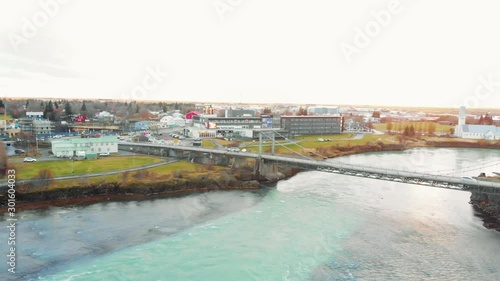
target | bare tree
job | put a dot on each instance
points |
(3, 160)
(431, 128)
(388, 125)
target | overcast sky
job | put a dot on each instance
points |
(410, 53)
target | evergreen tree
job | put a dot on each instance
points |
(56, 105)
(84, 108)
(67, 109)
(48, 112)
(2, 105)
(49, 107)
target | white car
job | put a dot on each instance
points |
(104, 154)
(29, 159)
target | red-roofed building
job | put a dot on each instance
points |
(189, 115)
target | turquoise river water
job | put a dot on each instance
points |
(313, 226)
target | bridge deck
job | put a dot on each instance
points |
(347, 169)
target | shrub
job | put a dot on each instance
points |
(43, 178)
(125, 176)
(141, 174)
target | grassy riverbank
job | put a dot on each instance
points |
(60, 168)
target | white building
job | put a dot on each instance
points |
(104, 114)
(69, 148)
(34, 114)
(167, 120)
(179, 121)
(480, 132)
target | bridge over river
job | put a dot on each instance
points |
(413, 177)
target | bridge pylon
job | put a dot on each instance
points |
(259, 162)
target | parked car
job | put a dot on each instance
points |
(29, 159)
(104, 154)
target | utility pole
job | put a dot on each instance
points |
(260, 145)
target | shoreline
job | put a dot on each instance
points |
(90, 200)
(134, 191)
(116, 192)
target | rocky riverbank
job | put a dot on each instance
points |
(240, 179)
(487, 206)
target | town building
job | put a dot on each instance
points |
(34, 114)
(324, 110)
(86, 146)
(312, 125)
(469, 131)
(209, 126)
(36, 126)
(214, 122)
(104, 115)
(189, 116)
(43, 127)
(239, 113)
(143, 125)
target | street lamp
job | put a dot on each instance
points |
(133, 158)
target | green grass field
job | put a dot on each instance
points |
(207, 144)
(64, 167)
(156, 174)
